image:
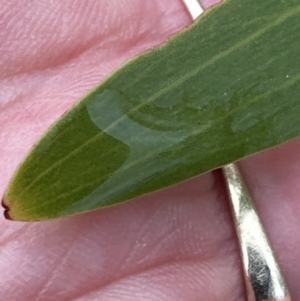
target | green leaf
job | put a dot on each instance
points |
(226, 87)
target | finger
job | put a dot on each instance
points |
(176, 244)
(40, 36)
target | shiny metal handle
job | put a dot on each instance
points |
(263, 278)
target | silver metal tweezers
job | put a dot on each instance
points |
(263, 278)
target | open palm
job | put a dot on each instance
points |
(176, 244)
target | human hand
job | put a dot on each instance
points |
(176, 244)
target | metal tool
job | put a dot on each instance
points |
(263, 278)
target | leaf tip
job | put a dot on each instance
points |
(6, 209)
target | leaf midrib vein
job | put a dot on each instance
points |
(288, 83)
(291, 12)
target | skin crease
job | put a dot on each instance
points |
(177, 244)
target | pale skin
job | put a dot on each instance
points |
(178, 244)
